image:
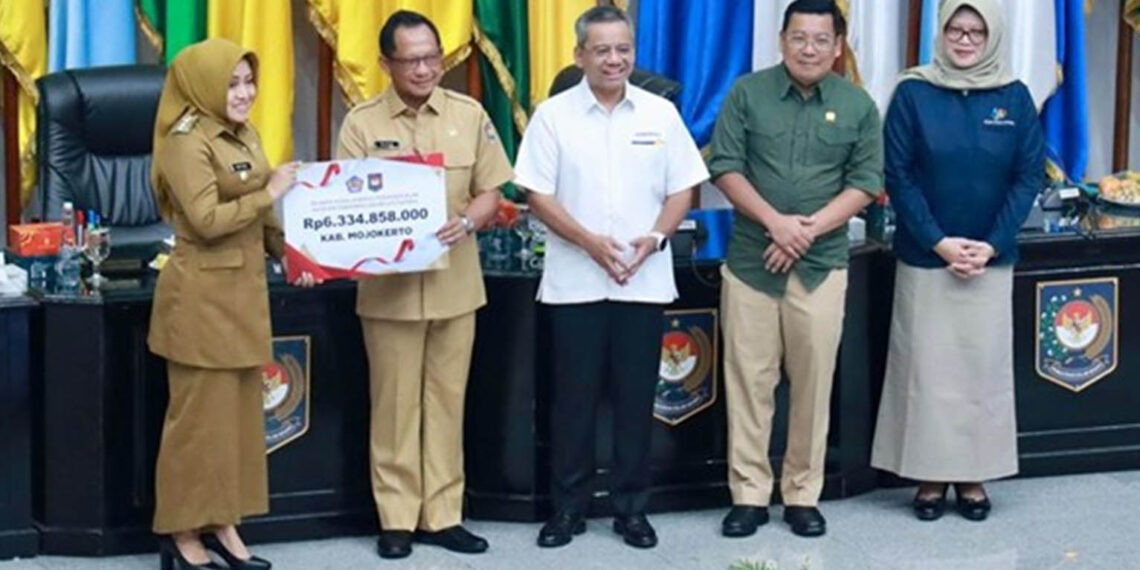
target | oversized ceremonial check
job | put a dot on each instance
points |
(352, 218)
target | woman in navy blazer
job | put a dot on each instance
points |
(964, 162)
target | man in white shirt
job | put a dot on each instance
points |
(610, 169)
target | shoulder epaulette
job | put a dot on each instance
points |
(460, 97)
(185, 124)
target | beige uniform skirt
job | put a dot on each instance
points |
(947, 411)
(211, 464)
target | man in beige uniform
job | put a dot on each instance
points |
(419, 328)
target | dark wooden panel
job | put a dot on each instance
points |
(17, 536)
(507, 408)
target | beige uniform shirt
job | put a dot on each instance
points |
(458, 127)
(211, 303)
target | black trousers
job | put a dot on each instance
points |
(616, 347)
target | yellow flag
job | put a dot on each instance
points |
(352, 28)
(850, 63)
(265, 27)
(23, 50)
(552, 41)
(323, 15)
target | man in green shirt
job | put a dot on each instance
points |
(797, 151)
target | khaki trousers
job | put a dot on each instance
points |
(211, 468)
(418, 381)
(802, 330)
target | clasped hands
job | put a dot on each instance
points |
(965, 258)
(614, 257)
(792, 236)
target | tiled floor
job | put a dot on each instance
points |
(1057, 523)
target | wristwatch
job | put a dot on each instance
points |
(468, 225)
(661, 240)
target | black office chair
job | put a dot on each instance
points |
(649, 81)
(93, 146)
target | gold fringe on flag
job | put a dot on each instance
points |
(149, 29)
(28, 156)
(506, 80)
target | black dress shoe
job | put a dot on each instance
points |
(560, 529)
(211, 542)
(636, 531)
(974, 509)
(454, 538)
(805, 521)
(743, 520)
(929, 508)
(394, 543)
(170, 558)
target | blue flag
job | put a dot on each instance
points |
(90, 33)
(703, 44)
(928, 31)
(1065, 117)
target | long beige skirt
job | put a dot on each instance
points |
(947, 412)
(211, 468)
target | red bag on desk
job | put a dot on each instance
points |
(33, 240)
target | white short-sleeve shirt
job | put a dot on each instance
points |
(611, 171)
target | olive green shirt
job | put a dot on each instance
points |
(799, 153)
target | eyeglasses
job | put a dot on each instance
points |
(799, 42)
(604, 51)
(975, 37)
(432, 61)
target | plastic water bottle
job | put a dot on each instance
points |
(38, 276)
(888, 223)
(67, 266)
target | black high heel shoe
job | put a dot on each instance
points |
(170, 558)
(932, 508)
(973, 509)
(253, 563)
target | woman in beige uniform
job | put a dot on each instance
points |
(210, 319)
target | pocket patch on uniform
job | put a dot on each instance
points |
(648, 138)
(489, 133)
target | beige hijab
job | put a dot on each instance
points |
(988, 73)
(198, 80)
